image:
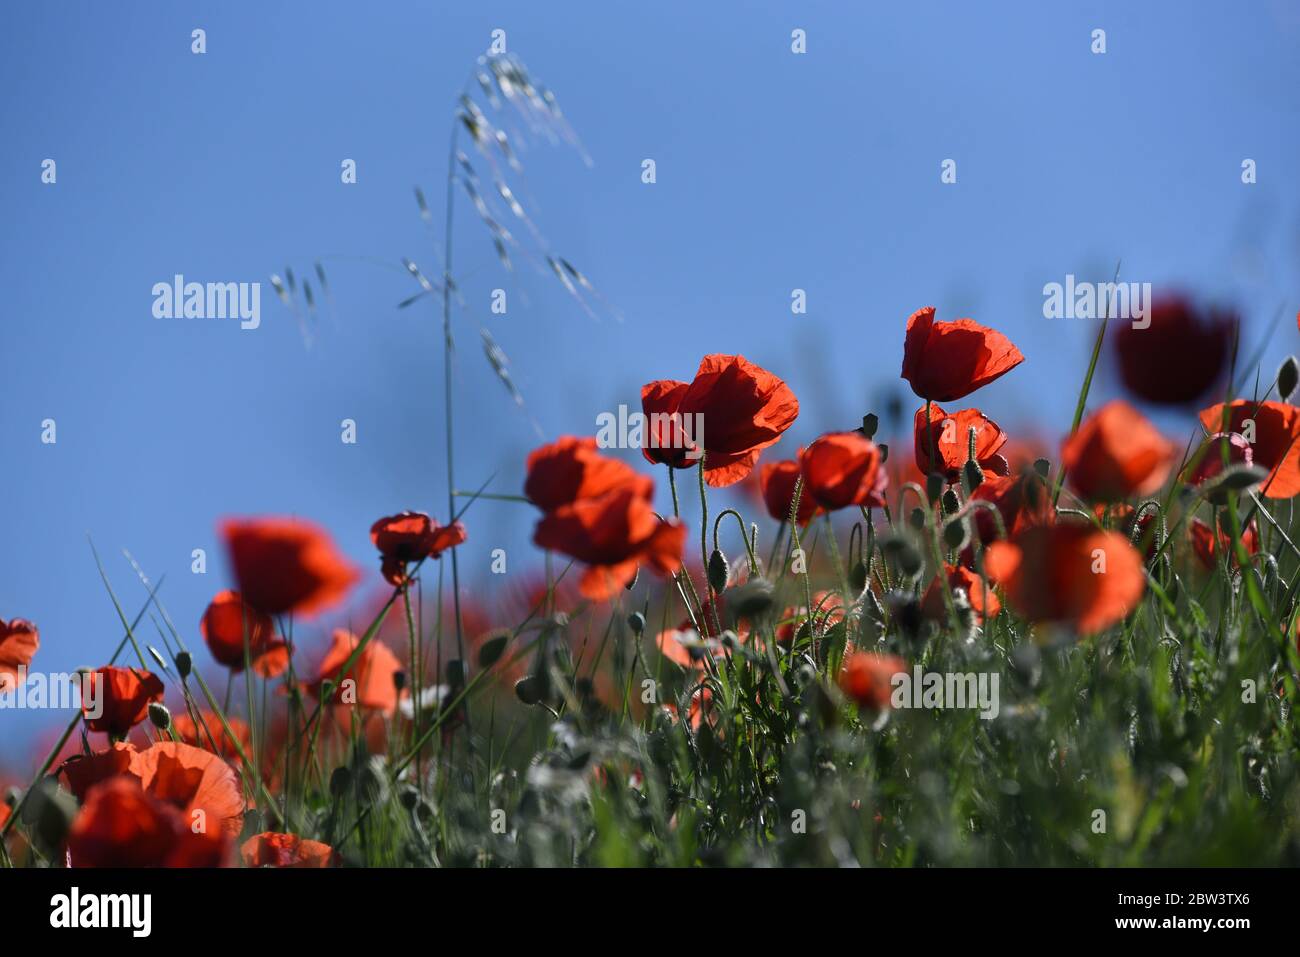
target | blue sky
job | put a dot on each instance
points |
(775, 171)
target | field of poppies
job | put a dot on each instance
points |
(952, 648)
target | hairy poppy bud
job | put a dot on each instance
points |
(951, 503)
(408, 797)
(1287, 377)
(956, 534)
(719, 571)
(751, 599)
(529, 690)
(870, 423)
(858, 577)
(917, 518)
(934, 485)
(973, 474)
(159, 715)
(903, 554)
(1042, 467)
(184, 664)
(636, 622)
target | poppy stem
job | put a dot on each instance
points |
(704, 554)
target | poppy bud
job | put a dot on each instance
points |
(492, 650)
(1042, 467)
(884, 452)
(903, 554)
(184, 664)
(340, 782)
(751, 599)
(408, 797)
(529, 690)
(955, 535)
(870, 423)
(1287, 377)
(973, 474)
(917, 518)
(371, 782)
(48, 814)
(858, 577)
(159, 715)
(456, 673)
(934, 485)
(719, 571)
(636, 622)
(399, 681)
(951, 503)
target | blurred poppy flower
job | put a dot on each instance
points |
(223, 626)
(1217, 448)
(741, 409)
(984, 604)
(121, 825)
(612, 534)
(776, 481)
(122, 696)
(701, 706)
(1068, 574)
(571, 469)
(19, 641)
(841, 469)
(1124, 517)
(828, 608)
(209, 734)
(1272, 429)
(1180, 356)
(947, 361)
(1206, 544)
(81, 772)
(286, 565)
(285, 850)
(1021, 500)
(372, 674)
(1117, 454)
(867, 678)
(411, 537)
(951, 434)
(196, 782)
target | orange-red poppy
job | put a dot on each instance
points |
(19, 641)
(841, 469)
(286, 565)
(209, 734)
(123, 697)
(1273, 431)
(194, 781)
(1021, 500)
(81, 772)
(371, 683)
(1206, 544)
(1068, 574)
(950, 434)
(946, 361)
(411, 537)
(984, 603)
(776, 481)
(286, 850)
(226, 622)
(122, 825)
(741, 408)
(867, 678)
(1180, 356)
(571, 469)
(1117, 454)
(612, 534)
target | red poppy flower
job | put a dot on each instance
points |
(1021, 500)
(741, 407)
(121, 825)
(286, 565)
(571, 469)
(841, 469)
(286, 850)
(1180, 356)
(19, 641)
(209, 734)
(613, 534)
(1068, 574)
(985, 604)
(196, 782)
(411, 537)
(1117, 454)
(122, 696)
(828, 609)
(1273, 431)
(867, 678)
(1206, 544)
(223, 626)
(1122, 517)
(371, 684)
(81, 772)
(1219, 446)
(946, 361)
(776, 481)
(952, 442)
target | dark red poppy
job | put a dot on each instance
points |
(1117, 454)
(1218, 447)
(369, 683)
(122, 696)
(867, 678)
(571, 469)
(286, 565)
(286, 850)
(776, 481)
(19, 641)
(411, 537)
(841, 469)
(951, 438)
(1206, 544)
(226, 622)
(946, 361)
(741, 409)
(1180, 356)
(81, 772)
(613, 534)
(1071, 575)
(122, 825)
(1272, 430)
